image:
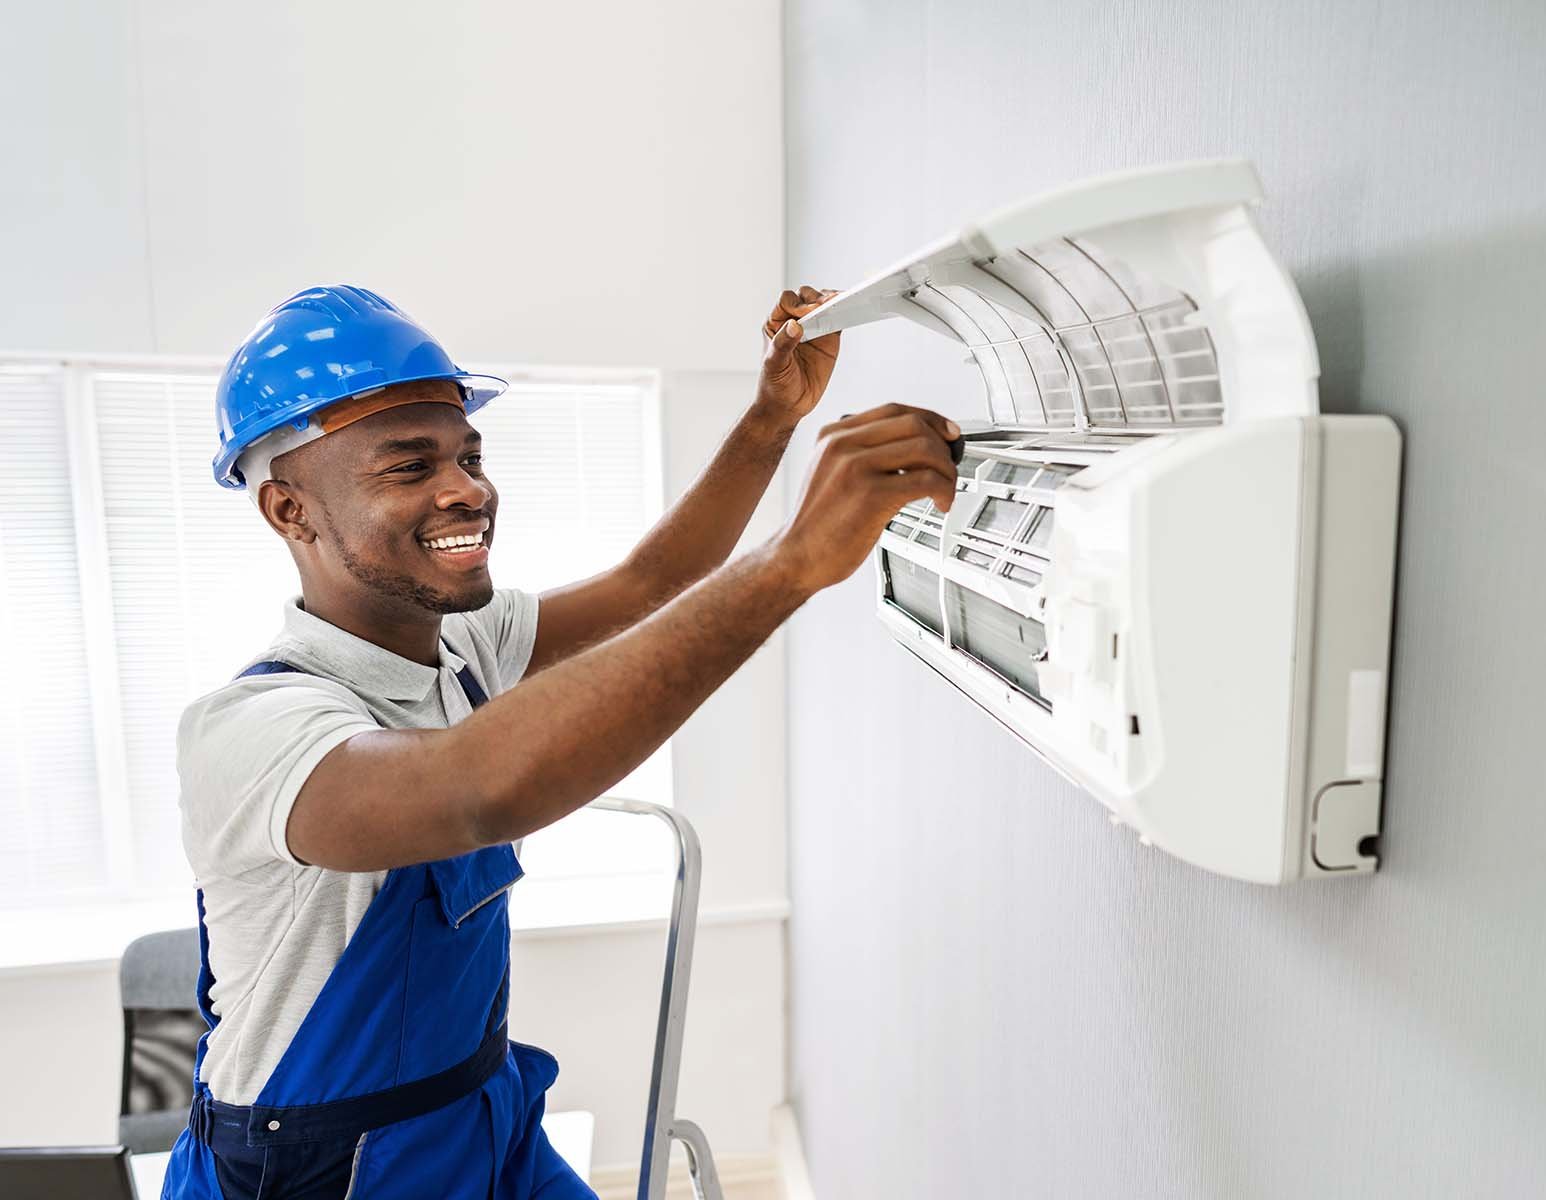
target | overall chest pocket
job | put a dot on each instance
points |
(469, 882)
(458, 959)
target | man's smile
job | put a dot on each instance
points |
(465, 547)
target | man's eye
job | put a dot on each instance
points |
(474, 460)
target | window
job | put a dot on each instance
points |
(577, 465)
(50, 808)
(130, 583)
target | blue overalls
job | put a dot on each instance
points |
(400, 1083)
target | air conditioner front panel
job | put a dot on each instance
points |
(1097, 306)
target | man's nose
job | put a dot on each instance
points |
(462, 488)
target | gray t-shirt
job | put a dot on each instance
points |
(276, 926)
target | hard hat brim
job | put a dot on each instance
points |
(481, 389)
(478, 390)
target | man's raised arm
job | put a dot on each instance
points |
(559, 739)
(700, 530)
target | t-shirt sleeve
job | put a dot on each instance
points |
(243, 754)
(509, 621)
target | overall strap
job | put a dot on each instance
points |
(470, 686)
(272, 667)
(206, 981)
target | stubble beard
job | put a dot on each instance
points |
(413, 591)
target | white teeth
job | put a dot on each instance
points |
(459, 544)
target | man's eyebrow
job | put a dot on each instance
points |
(423, 444)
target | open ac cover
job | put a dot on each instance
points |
(1164, 570)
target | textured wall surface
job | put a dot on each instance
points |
(994, 993)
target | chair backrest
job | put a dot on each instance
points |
(158, 977)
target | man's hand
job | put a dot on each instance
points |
(866, 467)
(794, 375)
(702, 527)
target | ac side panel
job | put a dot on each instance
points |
(1204, 604)
(1359, 487)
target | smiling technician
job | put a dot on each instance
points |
(349, 801)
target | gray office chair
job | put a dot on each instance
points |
(159, 978)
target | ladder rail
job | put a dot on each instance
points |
(661, 1124)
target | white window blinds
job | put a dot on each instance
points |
(51, 826)
(132, 584)
(197, 580)
(577, 468)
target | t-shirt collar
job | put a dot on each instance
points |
(362, 665)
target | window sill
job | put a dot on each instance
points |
(78, 937)
(538, 903)
(84, 937)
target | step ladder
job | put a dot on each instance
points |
(661, 1124)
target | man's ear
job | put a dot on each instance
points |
(284, 511)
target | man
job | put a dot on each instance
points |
(348, 814)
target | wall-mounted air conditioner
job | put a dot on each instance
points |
(1164, 569)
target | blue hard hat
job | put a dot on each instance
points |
(320, 346)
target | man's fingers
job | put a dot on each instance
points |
(813, 298)
(918, 453)
(889, 430)
(788, 305)
(924, 482)
(888, 422)
(794, 304)
(782, 342)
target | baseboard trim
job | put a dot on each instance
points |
(741, 1176)
(781, 1175)
(789, 1155)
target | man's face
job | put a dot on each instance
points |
(382, 489)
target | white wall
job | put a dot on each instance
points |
(996, 994)
(577, 185)
(540, 183)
